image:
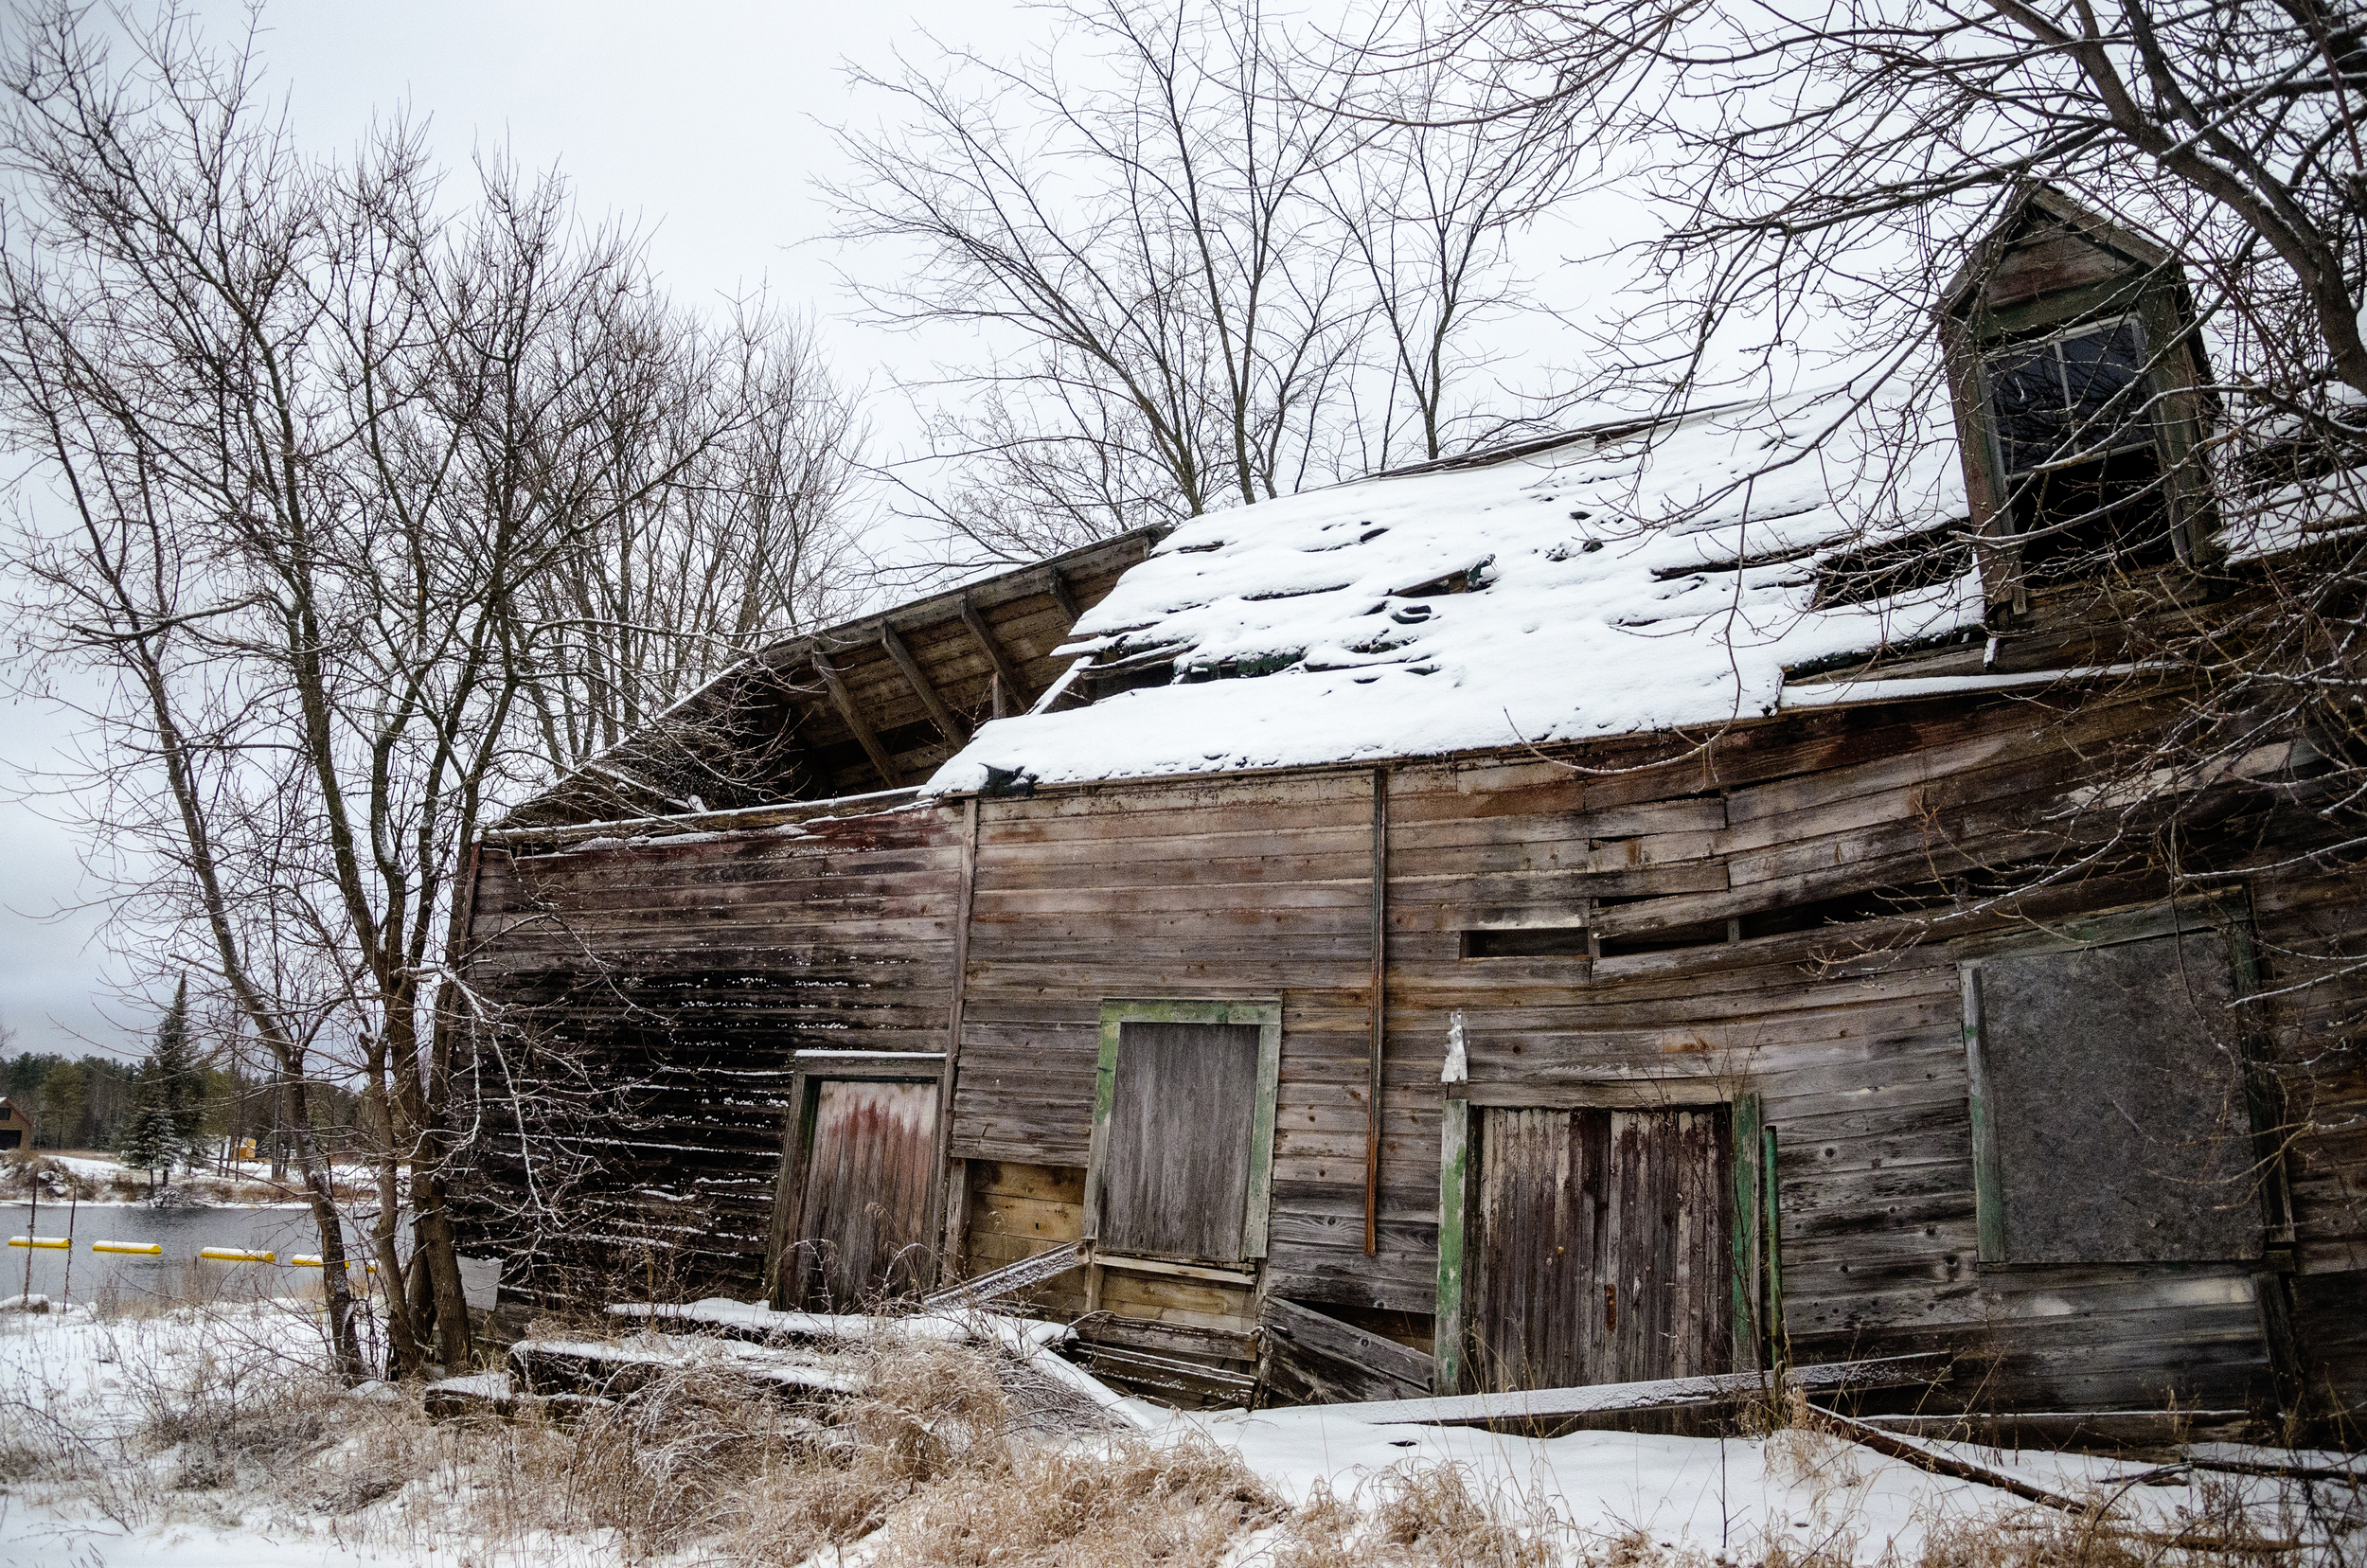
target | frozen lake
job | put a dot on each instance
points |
(284, 1230)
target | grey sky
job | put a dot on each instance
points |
(697, 122)
(704, 124)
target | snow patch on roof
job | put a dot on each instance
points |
(1610, 586)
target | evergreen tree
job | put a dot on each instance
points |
(167, 1123)
(148, 1138)
(180, 1079)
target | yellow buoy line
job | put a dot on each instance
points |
(155, 1249)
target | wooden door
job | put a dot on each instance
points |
(1181, 1112)
(862, 1227)
(1605, 1247)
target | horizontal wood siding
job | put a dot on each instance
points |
(1214, 890)
(697, 967)
(684, 974)
(1017, 1211)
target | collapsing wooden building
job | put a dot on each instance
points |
(1628, 905)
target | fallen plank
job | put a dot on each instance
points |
(1026, 1339)
(596, 1366)
(495, 1396)
(1908, 1450)
(1327, 1353)
(764, 1324)
(2062, 1429)
(2355, 1474)
(1546, 1404)
(1009, 1279)
(1171, 1374)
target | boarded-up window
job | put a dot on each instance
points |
(2109, 1104)
(1179, 1140)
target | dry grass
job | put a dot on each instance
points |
(1432, 1517)
(1109, 1505)
(932, 1467)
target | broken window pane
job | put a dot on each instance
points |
(2067, 396)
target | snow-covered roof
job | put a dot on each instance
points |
(1630, 579)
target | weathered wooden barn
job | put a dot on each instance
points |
(1607, 909)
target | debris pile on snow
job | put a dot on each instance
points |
(1327, 1478)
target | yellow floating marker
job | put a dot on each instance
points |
(45, 1244)
(311, 1261)
(137, 1248)
(236, 1255)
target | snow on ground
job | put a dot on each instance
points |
(1807, 1492)
(1733, 1500)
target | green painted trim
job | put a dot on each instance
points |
(1749, 1317)
(1988, 1176)
(1257, 1223)
(1256, 1220)
(1455, 1152)
(1779, 1342)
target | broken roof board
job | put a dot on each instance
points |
(1605, 586)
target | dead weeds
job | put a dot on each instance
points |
(934, 1466)
(1432, 1517)
(1111, 1505)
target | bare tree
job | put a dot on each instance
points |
(1824, 175)
(316, 460)
(735, 542)
(1825, 181)
(1425, 207)
(1209, 278)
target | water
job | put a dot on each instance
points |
(281, 1229)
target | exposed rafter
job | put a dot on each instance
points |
(949, 724)
(1016, 694)
(855, 720)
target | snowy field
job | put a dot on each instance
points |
(208, 1435)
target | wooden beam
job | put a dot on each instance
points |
(952, 1193)
(1015, 691)
(1063, 596)
(949, 724)
(1011, 1278)
(1381, 1010)
(1454, 1191)
(1933, 1460)
(855, 720)
(1668, 1394)
(1363, 1365)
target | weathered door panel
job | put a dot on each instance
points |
(1180, 1117)
(865, 1219)
(1605, 1246)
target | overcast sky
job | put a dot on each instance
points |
(701, 122)
(705, 123)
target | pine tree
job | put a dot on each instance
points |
(180, 1079)
(148, 1140)
(167, 1122)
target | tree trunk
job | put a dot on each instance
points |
(345, 1345)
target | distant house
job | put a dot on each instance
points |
(1526, 921)
(16, 1128)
